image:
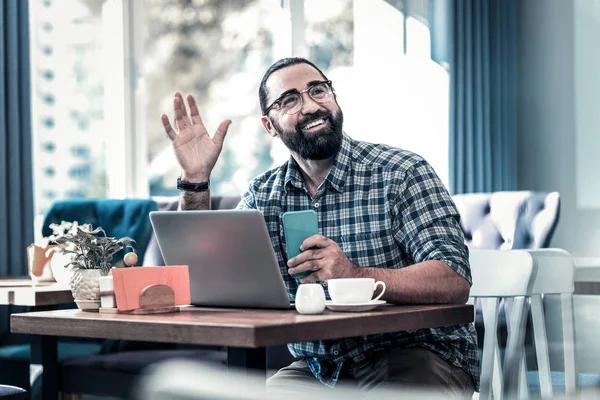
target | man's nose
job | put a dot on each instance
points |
(309, 106)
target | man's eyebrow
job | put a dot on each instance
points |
(294, 90)
(311, 83)
(286, 93)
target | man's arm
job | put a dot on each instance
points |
(194, 201)
(189, 200)
(427, 282)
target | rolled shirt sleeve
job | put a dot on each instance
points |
(427, 223)
(247, 201)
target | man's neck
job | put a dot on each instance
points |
(314, 172)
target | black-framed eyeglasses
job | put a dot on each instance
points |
(291, 103)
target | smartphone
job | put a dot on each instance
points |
(298, 226)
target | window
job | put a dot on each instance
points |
(48, 99)
(48, 75)
(66, 38)
(104, 71)
(216, 52)
(387, 84)
(80, 172)
(81, 151)
(48, 147)
(338, 35)
(48, 122)
(49, 171)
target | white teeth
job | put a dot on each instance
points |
(314, 123)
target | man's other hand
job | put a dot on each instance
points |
(324, 258)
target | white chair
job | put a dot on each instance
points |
(501, 274)
(553, 275)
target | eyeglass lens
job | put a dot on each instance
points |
(291, 104)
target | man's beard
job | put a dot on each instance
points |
(320, 145)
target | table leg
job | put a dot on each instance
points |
(44, 351)
(245, 359)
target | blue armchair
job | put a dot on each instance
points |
(128, 217)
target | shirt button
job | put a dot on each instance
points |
(317, 204)
(336, 352)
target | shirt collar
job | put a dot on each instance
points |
(337, 174)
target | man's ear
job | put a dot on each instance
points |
(266, 122)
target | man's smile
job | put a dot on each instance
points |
(314, 125)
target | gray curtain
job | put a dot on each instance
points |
(16, 180)
(483, 96)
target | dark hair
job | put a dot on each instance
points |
(283, 63)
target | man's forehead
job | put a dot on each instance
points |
(293, 77)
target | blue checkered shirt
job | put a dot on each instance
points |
(386, 208)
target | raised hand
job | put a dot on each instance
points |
(195, 150)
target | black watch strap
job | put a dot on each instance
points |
(192, 186)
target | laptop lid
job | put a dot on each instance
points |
(229, 254)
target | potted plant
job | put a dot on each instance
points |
(91, 253)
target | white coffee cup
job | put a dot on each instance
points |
(310, 299)
(354, 290)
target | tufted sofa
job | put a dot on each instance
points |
(508, 220)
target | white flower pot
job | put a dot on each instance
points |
(85, 286)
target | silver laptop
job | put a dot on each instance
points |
(229, 253)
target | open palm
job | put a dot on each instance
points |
(195, 150)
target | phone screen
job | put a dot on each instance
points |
(297, 227)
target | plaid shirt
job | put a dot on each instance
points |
(386, 208)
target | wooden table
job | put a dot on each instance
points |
(23, 292)
(587, 275)
(246, 333)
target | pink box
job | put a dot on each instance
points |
(129, 282)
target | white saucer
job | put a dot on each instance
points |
(354, 307)
(88, 305)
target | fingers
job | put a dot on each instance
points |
(221, 132)
(194, 114)
(180, 97)
(312, 265)
(315, 241)
(167, 125)
(305, 256)
(178, 109)
(181, 118)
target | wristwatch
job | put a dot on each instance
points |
(192, 186)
